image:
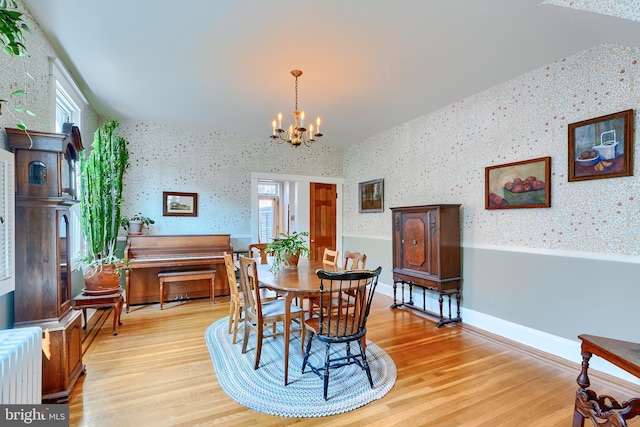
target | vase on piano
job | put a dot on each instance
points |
(101, 280)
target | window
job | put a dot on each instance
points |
(269, 210)
(7, 232)
(69, 102)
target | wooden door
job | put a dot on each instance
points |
(322, 226)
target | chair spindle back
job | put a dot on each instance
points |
(345, 301)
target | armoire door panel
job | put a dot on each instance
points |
(414, 246)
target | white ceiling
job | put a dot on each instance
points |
(224, 65)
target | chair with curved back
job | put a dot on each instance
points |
(259, 313)
(343, 324)
(354, 261)
(261, 249)
(330, 257)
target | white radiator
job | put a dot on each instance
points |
(21, 366)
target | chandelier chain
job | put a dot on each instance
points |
(296, 93)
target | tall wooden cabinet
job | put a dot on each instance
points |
(426, 254)
(45, 191)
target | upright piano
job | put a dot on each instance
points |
(148, 255)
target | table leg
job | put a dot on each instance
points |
(117, 309)
(578, 419)
(212, 289)
(288, 300)
(120, 313)
(126, 286)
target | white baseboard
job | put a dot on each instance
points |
(552, 344)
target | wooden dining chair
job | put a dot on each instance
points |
(236, 298)
(344, 324)
(259, 314)
(354, 261)
(330, 257)
(261, 249)
(358, 262)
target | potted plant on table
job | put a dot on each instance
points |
(287, 249)
(136, 223)
(101, 181)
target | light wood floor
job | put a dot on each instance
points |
(157, 372)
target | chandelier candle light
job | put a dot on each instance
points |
(296, 134)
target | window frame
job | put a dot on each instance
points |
(66, 96)
(276, 201)
(8, 281)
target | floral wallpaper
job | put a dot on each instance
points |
(216, 166)
(627, 9)
(32, 73)
(441, 158)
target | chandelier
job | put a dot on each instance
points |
(296, 134)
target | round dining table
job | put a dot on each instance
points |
(291, 283)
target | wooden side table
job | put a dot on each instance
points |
(115, 300)
(605, 410)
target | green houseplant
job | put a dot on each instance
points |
(101, 182)
(136, 223)
(287, 248)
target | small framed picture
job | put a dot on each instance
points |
(525, 184)
(601, 147)
(179, 204)
(371, 196)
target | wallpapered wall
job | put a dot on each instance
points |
(539, 277)
(32, 73)
(628, 9)
(13, 77)
(441, 158)
(216, 166)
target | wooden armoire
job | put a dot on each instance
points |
(426, 254)
(45, 191)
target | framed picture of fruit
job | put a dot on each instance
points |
(601, 147)
(525, 184)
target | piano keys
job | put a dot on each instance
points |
(148, 255)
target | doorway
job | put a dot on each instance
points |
(322, 219)
(296, 204)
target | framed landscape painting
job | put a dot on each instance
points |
(525, 184)
(179, 204)
(371, 196)
(601, 147)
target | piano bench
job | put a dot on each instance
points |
(183, 276)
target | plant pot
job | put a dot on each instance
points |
(291, 260)
(102, 280)
(135, 227)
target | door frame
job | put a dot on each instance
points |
(299, 201)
